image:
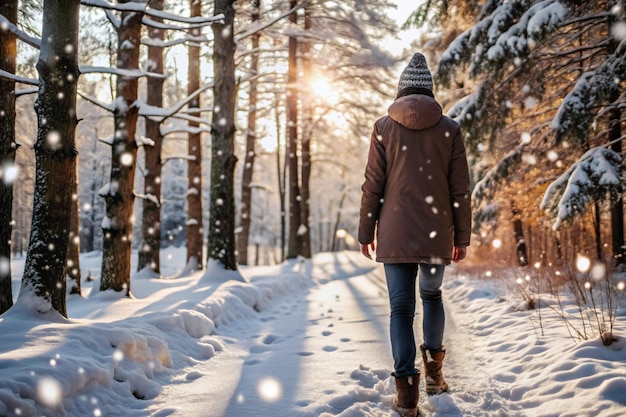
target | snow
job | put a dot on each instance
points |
(596, 173)
(305, 338)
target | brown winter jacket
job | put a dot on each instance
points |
(416, 187)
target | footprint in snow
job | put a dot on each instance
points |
(192, 376)
(329, 348)
(326, 333)
(270, 338)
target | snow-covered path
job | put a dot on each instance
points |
(323, 354)
(307, 339)
(336, 328)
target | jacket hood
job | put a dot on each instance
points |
(416, 111)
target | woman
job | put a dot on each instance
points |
(416, 202)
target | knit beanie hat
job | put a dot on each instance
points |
(416, 74)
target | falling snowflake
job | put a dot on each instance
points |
(270, 389)
(53, 139)
(49, 391)
(9, 172)
(126, 159)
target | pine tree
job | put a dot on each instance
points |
(118, 194)
(195, 229)
(8, 146)
(221, 239)
(45, 267)
(243, 236)
(524, 57)
(150, 248)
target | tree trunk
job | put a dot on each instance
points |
(8, 146)
(337, 222)
(281, 175)
(221, 241)
(248, 168)
(45, 267)
(617, 200)
(520, 244)
(150, 248)
(73, 249)
(597, 228)
(118, 195)
(307, 134)
(89, 233)
(294, 245)
(195, 238)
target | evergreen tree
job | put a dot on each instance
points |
(8, 146)
(45, 267)
(221, 239)
(525, 56)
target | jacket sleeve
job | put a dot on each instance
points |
(460, 192)
(373, 188)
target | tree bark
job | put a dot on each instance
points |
(8, 146)
(89, 232)
(221, 241)
(281, 176)
(521, 249)
(597, 229)
(307, 134)
(195, 230)
(45, 267)
(617, 200)
(119, 197)
(248, 168)
(73, 248)
(150, 248)
(295, 241)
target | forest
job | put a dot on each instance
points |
(239, 130)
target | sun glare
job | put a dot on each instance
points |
(321, 87)
(269, 143)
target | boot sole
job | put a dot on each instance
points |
(404, 412)
(436, 390)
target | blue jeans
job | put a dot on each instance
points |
(401, 280)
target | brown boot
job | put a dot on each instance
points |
(405, 403)
(433, 376)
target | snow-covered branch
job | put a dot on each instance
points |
(17, 78)
(140, 7)
(590, 178)
(175, 157)
(129, 73)
(165, 44)
(486, 187)
(506, 33)
(261, 26)
(159, 114)
(26, 91)
(170, 130)
(95, 101)
(149, 197)
(593, 87)
(19, 33)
